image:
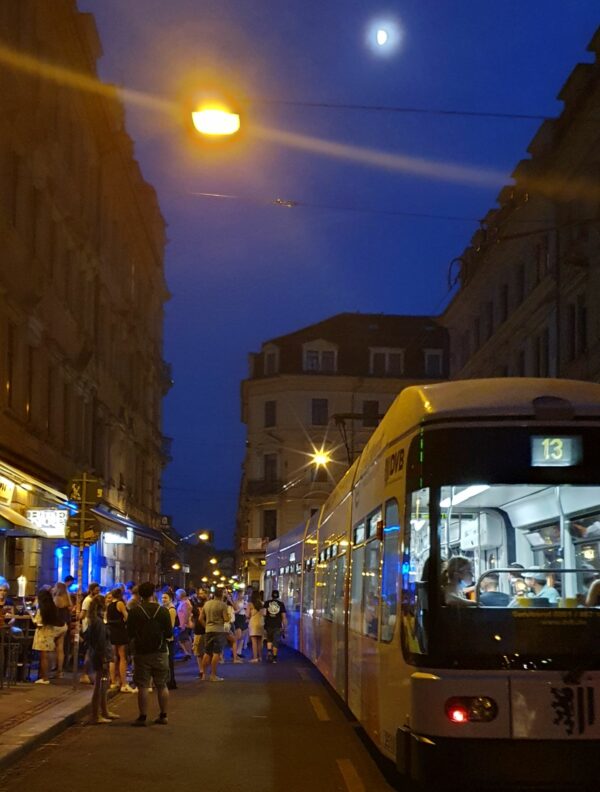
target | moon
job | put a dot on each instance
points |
(382, 37)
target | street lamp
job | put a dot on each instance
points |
(321, 458)
(216, 572)
(176, 565)
(204, 536)
(212, 561)
(214, 121)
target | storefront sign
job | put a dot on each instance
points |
(51, 521)
(115, 538)
(7, 488)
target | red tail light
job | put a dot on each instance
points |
(471, 709)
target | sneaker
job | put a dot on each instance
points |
(85, 680)
(216, 679)
(161, 721)
(115, 686)
(111, 716)
(273, 659)
(41, 681)
(127, 689)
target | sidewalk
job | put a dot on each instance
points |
(31, 714)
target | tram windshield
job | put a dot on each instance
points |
(507, 571)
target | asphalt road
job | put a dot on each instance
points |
(264, 728)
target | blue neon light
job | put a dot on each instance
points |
(391, 529)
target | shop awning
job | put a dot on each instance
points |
(110, 522)
(14, 524)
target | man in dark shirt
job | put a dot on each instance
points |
(275, 621)
(149, 626)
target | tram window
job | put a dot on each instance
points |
(308, 591)
(340, 587)
(373, 520)
(415, 562)
(330, 590)
(356, 588)
(391, 570)
(370, 624)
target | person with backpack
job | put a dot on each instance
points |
(275, 622)
(149, 627)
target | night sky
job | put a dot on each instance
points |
(242, 270)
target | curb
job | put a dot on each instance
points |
(32, 733)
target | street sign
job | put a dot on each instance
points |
(82, 528)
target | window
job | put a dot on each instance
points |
(270, 467)
(319, 412)
(340, 586)
(30, 384)
(386, 362)
(520, 283)
(542, 260)
(370, 621)
(488, 320)
(270, 413)
(270, 524)
(576, 328)
(476, 333)
(434, 363)
(321, 360)
(370, 413)
(415, 565)
(542, 354)
(356, 588)
(308, 588)
(319, 473)
(521, 363)
(391, 570)
(271, 363)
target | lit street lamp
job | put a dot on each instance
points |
(216, 121)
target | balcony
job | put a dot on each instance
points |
(261, 487)
(253, 544)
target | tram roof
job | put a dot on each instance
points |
(502, 397)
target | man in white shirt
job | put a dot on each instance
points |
(93, 591)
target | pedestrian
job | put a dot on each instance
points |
(167, 602)
(116, 620)
(184, 615)
(93, 591)
(100, 656)
(134, 597)
(62, 600)
(240, 627)
(199, 630)
(256, 628)
(149, 626)
(49, 635)
(275, 622)
(215, 615)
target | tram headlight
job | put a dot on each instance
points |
(471, 709)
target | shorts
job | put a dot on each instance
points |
(273, 635)
(153, 666)
(198, 645)
(214, 643)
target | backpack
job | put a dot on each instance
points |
(149, 637)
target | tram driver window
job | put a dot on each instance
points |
(415, 565)
(391, 570)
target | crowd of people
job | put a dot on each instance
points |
(131, 636)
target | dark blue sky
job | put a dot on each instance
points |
(241, 270)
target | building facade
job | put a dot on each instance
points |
(82, 290)
(529, 283)
(321, 390)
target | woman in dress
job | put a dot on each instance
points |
(64, 605)
(256, 628)
(49, 635)
(101, 653)
(116, 616)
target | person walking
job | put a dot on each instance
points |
(184, 615)
(256, 628)
(275, 622)
(167, 602)
(149, 626)
(116, 619)
(199, 630)
(49, 635)
(100, 656)
(215, 615)
(64, 606)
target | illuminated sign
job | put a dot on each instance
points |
(7, 489)
(552, 451)
(52, 522)
(115, 538)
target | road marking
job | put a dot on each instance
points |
(319, 708)
(350, 776)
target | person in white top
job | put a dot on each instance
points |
(93, 591)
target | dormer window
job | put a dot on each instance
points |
(320, 357)
(386, 362)
(434, 361)
(270, 361)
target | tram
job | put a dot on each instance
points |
(502, 475)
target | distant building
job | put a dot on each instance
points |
(529, 283)
(81, 310)
(322, 389)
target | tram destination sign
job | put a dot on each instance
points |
(556, 451)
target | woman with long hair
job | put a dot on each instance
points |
(256, 627)
(64, 606)
(116, 617)
(100, 651)
(457, 581)
(49, 635)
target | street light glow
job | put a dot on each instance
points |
(212, 560)
(382, 37)
(321, 458)
(204, 536)
(175, 565)
(216, 121)
(216, 572)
